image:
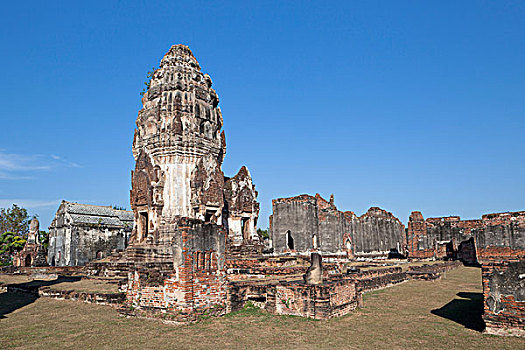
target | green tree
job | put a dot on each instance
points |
(148, 81)
(15, 220)
(117, 207)
(44, 238)
(263, 233)
(10, 243)
(14, 226)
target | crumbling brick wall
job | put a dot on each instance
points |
(304, 224)
(197, 281)
(331, 299)
(504, 295)
(369, 280)
(503, 276)
(451, 237)
(431, 272)
(497, 241)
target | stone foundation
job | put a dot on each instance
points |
(432, 272)
(324, 301)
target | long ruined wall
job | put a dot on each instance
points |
(306, 223)
(497, 241)
(378, 231)
(297, 215)
(441, 237)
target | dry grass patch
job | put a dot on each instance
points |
(399, 317)
(91, 285)
(13, 279)
(88, 285)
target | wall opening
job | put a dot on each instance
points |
(143, 225)
(197, 258)
(467, 252)
(207, 260)
(348, 245)
(208, 215)
(315, 243)
(289, 240)
(202, 260)
(245, 228)
(212, 259)
(28, 260)
(197, 110)
(99, 255)
(52, 263)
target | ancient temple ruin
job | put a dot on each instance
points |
(33, 253)
(81, 233)
(179, 147)
(187, 213)
(497, 242)
(304, 224)
(450, 237)
(190, 247)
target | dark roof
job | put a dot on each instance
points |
(99, 215)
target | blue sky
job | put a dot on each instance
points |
(406, 105)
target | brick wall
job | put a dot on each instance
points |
(378, 278)
(503, 276)
(432, 272)
(331, 299)
(451, 237)
(315, 224)
(197, 282)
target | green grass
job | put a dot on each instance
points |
(399, 317)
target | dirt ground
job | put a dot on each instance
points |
(78, 284)
(444, 314)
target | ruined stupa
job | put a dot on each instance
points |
(33, 253)
(179, 147)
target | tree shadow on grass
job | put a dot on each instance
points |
(467, 311)
(21, 294)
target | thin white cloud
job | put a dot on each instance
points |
(29, 203)
(20, 162)
(7, 176)
(65, 161)
(20, 166)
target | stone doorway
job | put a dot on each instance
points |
(143, 225)
(245, 228)
(289, 240)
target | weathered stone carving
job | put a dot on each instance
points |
(243, 209)
(179, 149)
(185, 210)
(207, 183)
(314, 274)
(32, 236)
(33, 253)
